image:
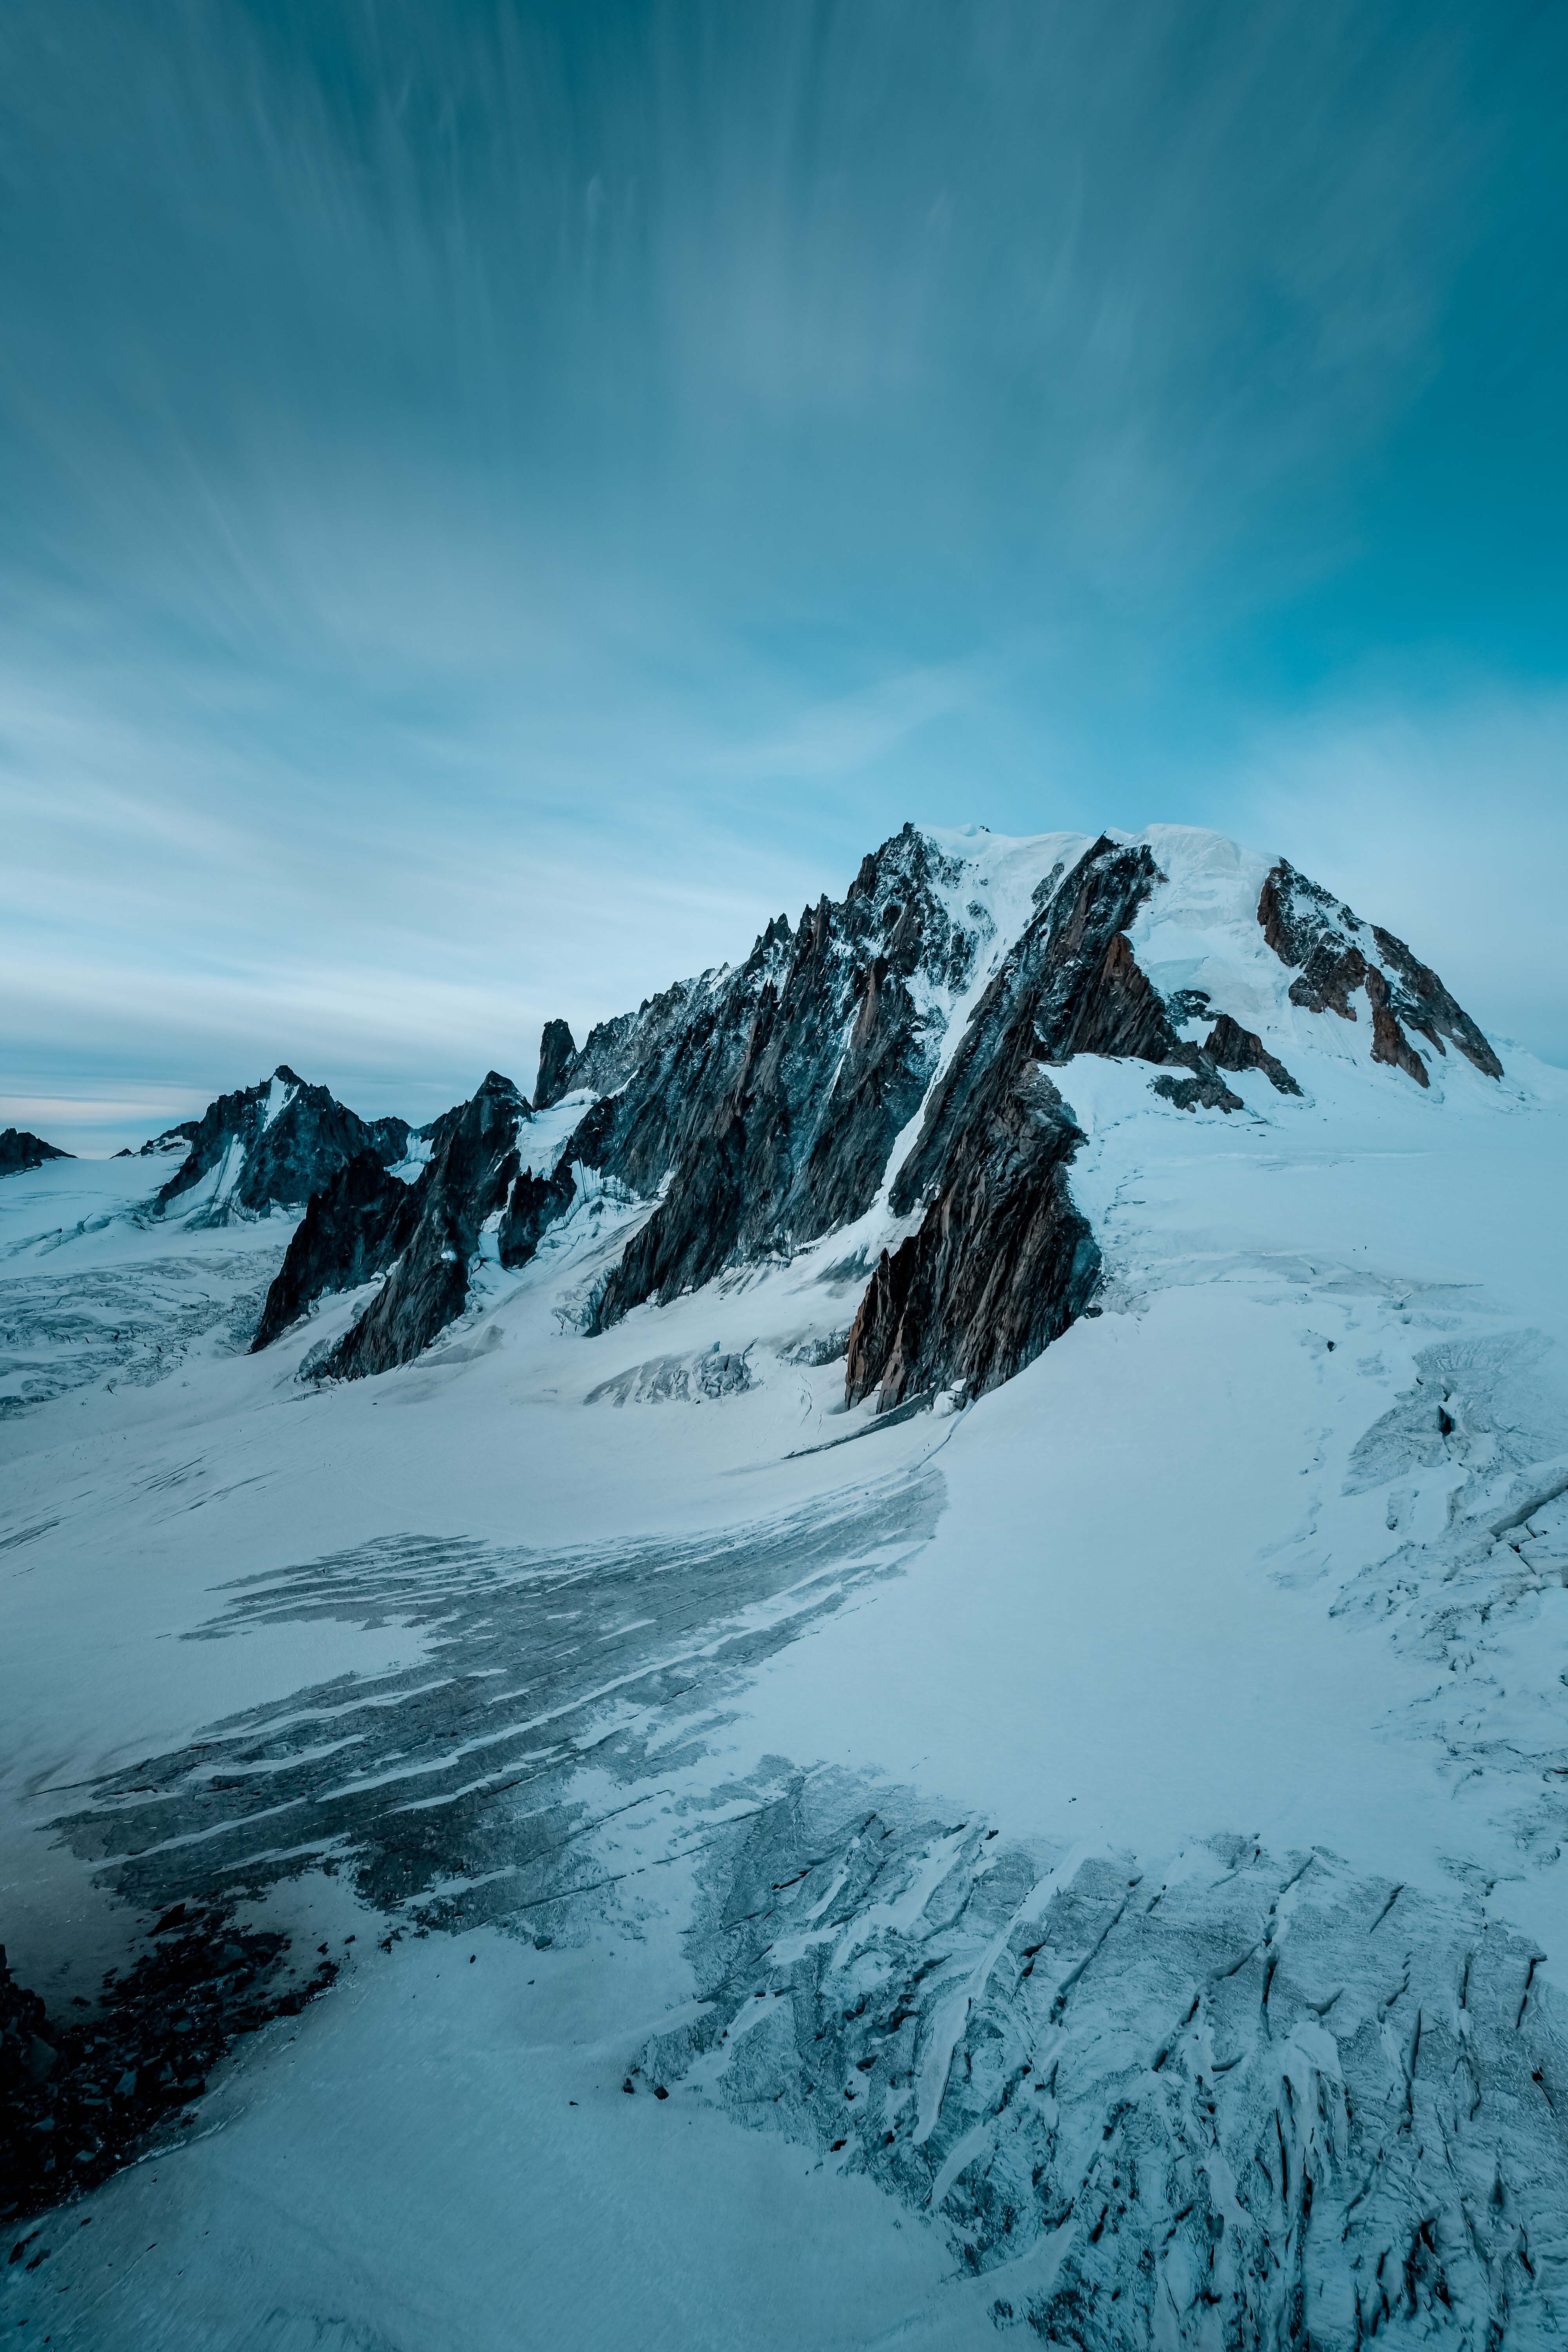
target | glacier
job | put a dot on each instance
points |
(1075, 1855)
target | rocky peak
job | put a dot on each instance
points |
(557, 1052)
(272, 1145)
(172, 1140)
(1340, 956)
(21, 1152)
(423, 1236)
(899, 907)
(1003, 1261)
(496, 1102)
(900, 1052)
(772, 1112)
(1070, 984)
(389, 1138)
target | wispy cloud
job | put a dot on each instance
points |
(851, 733)
(499, 501)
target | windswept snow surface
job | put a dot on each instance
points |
(1087, 1865)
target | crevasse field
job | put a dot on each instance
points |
(1088, 1864)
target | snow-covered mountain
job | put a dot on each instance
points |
(269, 1146)
(168, 1143)
(919, 1697)
(885, 1067)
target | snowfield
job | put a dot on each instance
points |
(1086, 1864)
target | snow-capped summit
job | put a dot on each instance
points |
(905, 1055)
(270, 1146)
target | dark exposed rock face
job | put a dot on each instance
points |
(770, 1096)
(1001, 1261)
(1229, 1047)
(20, 1151)
(766, 1102)
(438, 1132)
(388, 1139)
(557, 1052)
(1338, 954)
(774, 1106)
(350, 1232)
(1389, 1042)
(1070, 986)
(422, 1235)
(1204, 1092)
(616, 1049)
(273, 1145)
(466, 1181)
(1418, 998)
(536, 1202)
(1000, 1264)
(1303, 925)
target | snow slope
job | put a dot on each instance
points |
(1087, 1865)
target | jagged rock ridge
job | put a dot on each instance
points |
(422, 1235)
(468, 1179)
(171, 1140)
(272, 1144)
(1306, 925)
(349, 1232)
(1001, 1264)
(762, 1106)
(1003, 1261)
(774, 1110)
(771, 1094)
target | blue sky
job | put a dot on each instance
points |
(497, 501)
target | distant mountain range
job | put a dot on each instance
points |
(898, 1046)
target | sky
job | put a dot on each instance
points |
(497, 501)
